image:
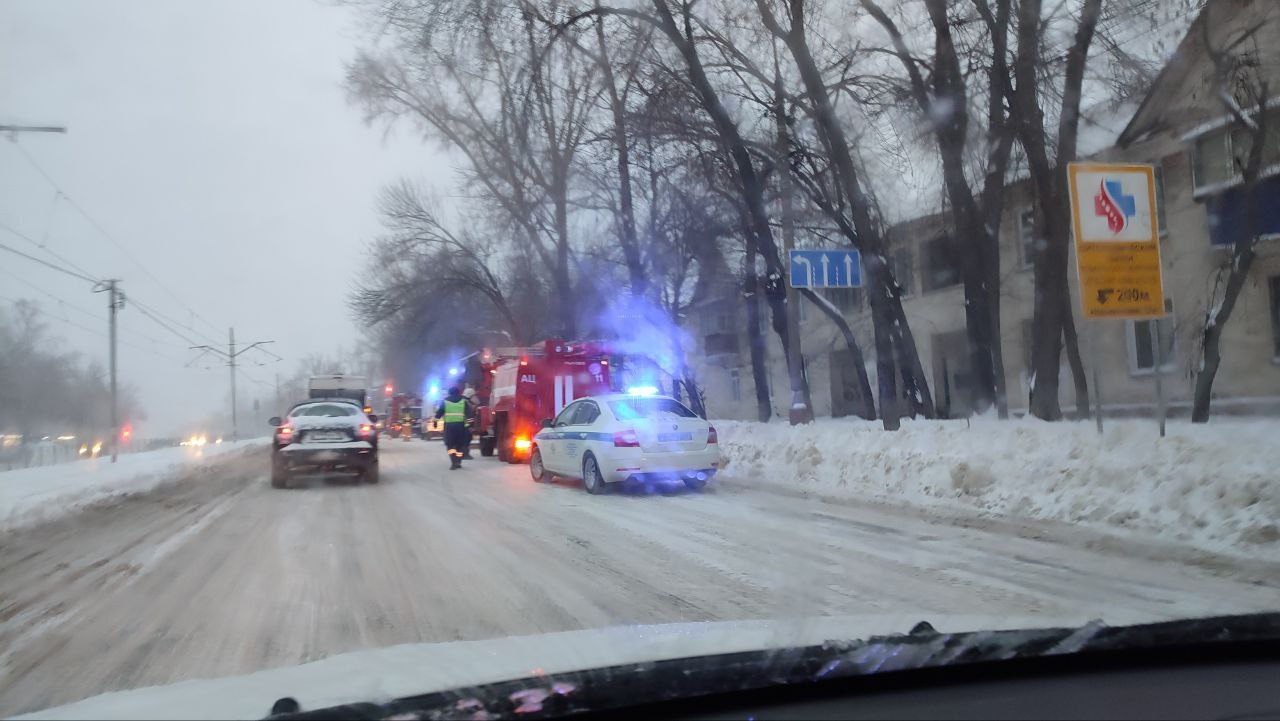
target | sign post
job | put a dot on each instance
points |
(1113, 217)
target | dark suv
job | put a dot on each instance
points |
(324, 435)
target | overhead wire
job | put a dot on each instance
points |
(46, 263)
(42, 246)
(44, 312)
(99, 227)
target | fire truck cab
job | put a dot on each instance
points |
(527, 385)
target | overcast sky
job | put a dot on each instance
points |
(214, 143)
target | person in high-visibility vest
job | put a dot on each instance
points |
(456, 412)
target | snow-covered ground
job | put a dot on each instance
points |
(1215, 486)
(34, 495)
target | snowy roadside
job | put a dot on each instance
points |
(34, 495)
(1215, 487)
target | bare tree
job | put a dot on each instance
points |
(482, 77)
(1047, 155)
(1244, 92)
(938, 87)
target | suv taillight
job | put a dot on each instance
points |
(366, 429)
(626, 439)
(284, 434)
(712, 436)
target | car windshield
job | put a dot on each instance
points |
(636, 408)
(379, 346)
(324, 410)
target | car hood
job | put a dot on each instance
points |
(384, 674)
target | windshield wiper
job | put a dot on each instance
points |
(633, 685)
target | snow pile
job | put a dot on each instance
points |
(34, 495)
(1214, 486)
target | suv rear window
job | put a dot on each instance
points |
(324, 410)
(629, 410)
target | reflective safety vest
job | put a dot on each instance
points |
(455, 411)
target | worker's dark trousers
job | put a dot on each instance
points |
(455, 439)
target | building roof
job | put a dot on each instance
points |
(1182, 94)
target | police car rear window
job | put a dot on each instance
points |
(325, 410)
(631, 409)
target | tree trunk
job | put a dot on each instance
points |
(1047, 310)
(755, 337)
(908, 360)
(1072, 344)
(566, 311)
(1242, 257)
(626, 205)
(882, 318)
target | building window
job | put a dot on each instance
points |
(1274, 284)
(1028, 241)
(717, 320)
(903, 268)
(1142, 356)
(735, 384)
(1221, 154)
(1213, 158)
(942, 267)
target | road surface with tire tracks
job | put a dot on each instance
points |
(218, 574)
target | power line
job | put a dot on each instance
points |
(170, 319)
(46, 263)
(142, 309)
(42, 246)
(98, 226)
(68, 304)
(86, 329)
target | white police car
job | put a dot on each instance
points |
(613, 438)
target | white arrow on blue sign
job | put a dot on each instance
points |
(829, 268)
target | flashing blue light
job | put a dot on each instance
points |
(433, 391)
(453, 371)
(642, 391)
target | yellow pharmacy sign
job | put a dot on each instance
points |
(1113, 216)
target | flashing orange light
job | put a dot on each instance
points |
(368, 409)
(523, 444)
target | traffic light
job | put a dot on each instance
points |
(389, 389)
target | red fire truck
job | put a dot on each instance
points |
(516, 388)
(404, 415)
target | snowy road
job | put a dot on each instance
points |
(223, 575)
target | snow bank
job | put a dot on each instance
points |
(34, 495)
(1214, 486)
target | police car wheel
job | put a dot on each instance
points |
(591, 479)
(536, 469)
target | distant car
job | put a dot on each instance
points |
(614, 438)
(324, 435)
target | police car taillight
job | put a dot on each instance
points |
(284, 434)
(712, 436)
(626, 439)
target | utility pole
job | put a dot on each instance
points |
(231, 354)
(115, 301)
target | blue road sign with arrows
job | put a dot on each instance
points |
(829, 268)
